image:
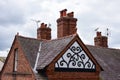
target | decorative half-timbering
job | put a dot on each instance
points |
(75, 58)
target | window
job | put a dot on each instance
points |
(15, 59)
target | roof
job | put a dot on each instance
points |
(50, 49)
(2, 60)
(30, 47)
(1, 65)
(108, 58)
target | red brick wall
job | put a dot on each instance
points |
(23, 67)
(56, 75)
(100, 40)
(44, 32)
(66, 24)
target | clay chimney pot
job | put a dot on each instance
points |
(71, 14)
(98, 34)
(63, 13)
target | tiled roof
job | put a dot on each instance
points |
(109, 59)
(2, 60)
(1, 65)
(50, 49)
(30, 47)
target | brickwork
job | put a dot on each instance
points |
(66, 24)
(24, 71)
(44, 32)
(56, 75)
(72, 75)
(100, 40)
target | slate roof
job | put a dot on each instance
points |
(50, 49)
(1, 65)
(30, 47)
(2, 60)
(108, 58)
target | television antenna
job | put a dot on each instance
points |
(107, 32)
(96, 30)
(49, 25)
(37, 22)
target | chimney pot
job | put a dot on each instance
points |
(63, 13)
(42, 25)
(98, 34)
(45, 25)
(71, 14)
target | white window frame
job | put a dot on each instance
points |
(15, 59)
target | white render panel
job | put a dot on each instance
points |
(75, 57)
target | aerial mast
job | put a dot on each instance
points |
(37, 22)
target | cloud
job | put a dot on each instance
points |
(6, 36)
(4, 53)
(11, 13)
(16, 17)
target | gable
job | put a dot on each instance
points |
(30, 48)
(16, 64)
(75, 58)
(51, 49)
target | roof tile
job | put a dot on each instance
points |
(108, 58)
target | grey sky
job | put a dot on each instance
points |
(16, 15)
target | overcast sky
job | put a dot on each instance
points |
(16, 16)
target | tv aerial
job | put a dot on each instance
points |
(96, 30)
(37, 22)
(107, 32)
(49, 25)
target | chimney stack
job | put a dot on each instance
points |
(44, 32)
(100, 40)
(66, 24)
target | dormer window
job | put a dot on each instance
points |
(15, 59)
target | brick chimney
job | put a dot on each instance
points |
(44, 32)
(66, 24)
(100, 40)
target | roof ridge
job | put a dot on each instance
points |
(102, 47)
(61, 38)
(26, 37)
(73, 35)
